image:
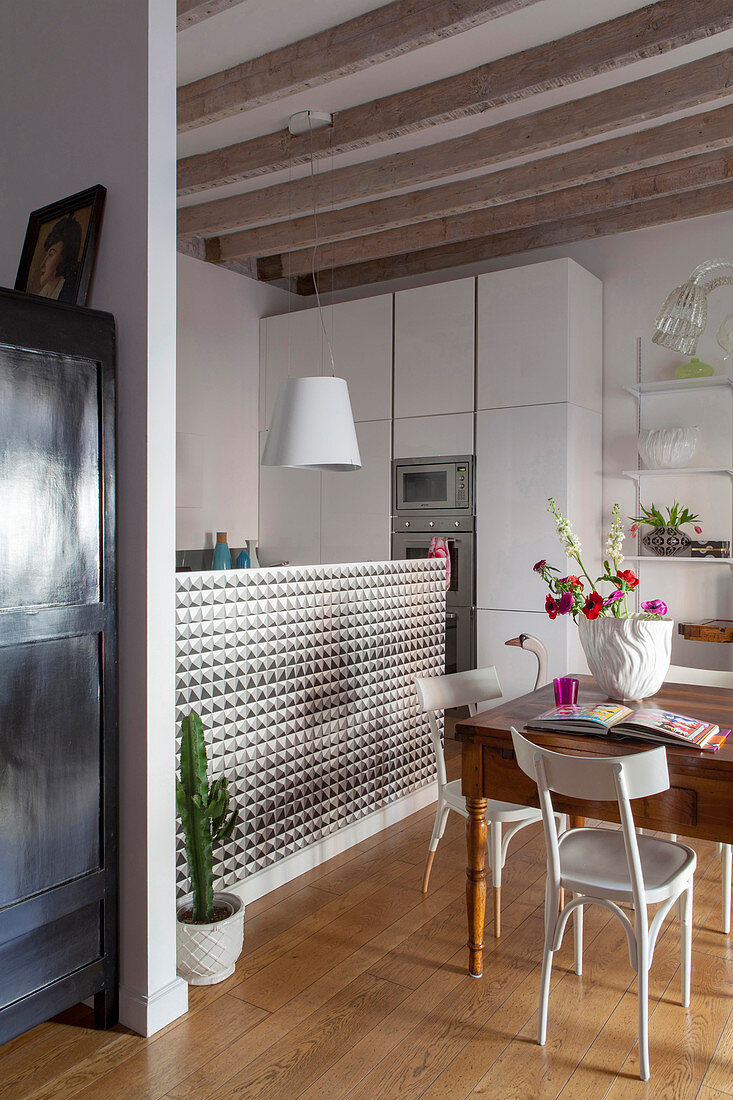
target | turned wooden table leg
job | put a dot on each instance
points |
(476, 836)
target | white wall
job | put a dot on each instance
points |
(217, 401)
(638, 270)
(87, 90)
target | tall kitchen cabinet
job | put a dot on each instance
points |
(306, 516)
(538, 434)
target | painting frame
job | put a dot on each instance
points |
(78, 270)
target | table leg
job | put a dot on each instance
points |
(575, 822)
(476, 836)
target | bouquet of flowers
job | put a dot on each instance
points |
(569, 596)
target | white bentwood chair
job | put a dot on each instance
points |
(605, 866)
(708, 677)
(468, 689)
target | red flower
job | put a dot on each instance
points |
(592, 606)
(551, 607)
(629, 577)
(572, 581)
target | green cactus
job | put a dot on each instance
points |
(204, 813)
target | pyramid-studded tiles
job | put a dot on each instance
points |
(304, 679)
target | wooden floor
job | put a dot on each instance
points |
(353, 984)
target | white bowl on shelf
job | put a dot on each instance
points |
(668, 448)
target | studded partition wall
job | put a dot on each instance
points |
(303, 677)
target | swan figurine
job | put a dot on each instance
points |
(533, 645)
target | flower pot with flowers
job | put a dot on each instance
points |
(665, 539)
(628, 654)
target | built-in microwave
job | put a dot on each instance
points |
(442, 484)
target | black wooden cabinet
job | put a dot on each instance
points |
(58, 662)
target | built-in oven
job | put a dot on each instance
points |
(433, 485)
(411, 537)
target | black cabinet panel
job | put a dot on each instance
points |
(34, 960)
(50, 787)
(49, 480)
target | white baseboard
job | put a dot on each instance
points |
(285, 870)
(147, 1014)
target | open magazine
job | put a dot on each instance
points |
(649, 725)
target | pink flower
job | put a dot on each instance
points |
(634, 529)
(698, 530)
(539, 566)
(617, 595)
(655, 607)
(565, 603)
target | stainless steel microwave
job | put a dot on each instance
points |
(442, 484)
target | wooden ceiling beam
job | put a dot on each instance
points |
(691, 85)
(641, 215)
(385, 32)
(680, 175)
(654, 29)
(191, 12)
(684, 137)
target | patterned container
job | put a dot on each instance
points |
(666, 542)
(207, 953)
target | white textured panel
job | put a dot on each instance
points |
(303, 677)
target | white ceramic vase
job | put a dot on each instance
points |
(628, 658)
(207, 953)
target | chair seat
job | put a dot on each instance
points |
(593, 861)
(495, 810)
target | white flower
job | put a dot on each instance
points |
(615, 538)
(567, 536)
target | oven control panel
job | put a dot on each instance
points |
(445, 525)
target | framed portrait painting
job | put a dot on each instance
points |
(60, 247)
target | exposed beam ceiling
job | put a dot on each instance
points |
(678, 175)
(654, 29)
(191, 12)
(641, 215)
(383, 33)
(686, 136)
(547, 172)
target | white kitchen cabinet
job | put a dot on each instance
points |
(361, 335)
(523, 456)
(290, 514)
(291, 346)
(355, 507)
(434, 349)
(540, 336)
(425, 436)
(517, 668)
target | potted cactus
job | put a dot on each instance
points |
(210, 926)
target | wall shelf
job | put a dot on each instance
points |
(678, 471)
(679, 385)
(677, 560)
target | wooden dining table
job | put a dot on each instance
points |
(699, 802)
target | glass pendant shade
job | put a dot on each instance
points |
(312, 426)
(681, 321)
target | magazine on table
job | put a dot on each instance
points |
(614, 719)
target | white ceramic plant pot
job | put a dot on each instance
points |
(628, 658)
(207, 953)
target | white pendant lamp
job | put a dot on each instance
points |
(312, 424)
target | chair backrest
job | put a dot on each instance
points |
(709, 677)
(597, 779)
(458, 689)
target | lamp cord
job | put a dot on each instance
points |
(315, 247)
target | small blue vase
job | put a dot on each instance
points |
(222, 558)
(242, 561)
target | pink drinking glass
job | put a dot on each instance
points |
(566, 690)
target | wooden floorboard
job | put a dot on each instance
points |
(353, 984)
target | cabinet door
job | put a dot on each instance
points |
(290, 346)
(517, 668)
(355, 511)
(290, 514)
(361, 334)
(423, 436)
(521, 460)
(434, 349)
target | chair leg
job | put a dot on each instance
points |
(643, 982)
(545, 986)
(578, 938)
(441, 816)
(684, 912)
(726, 857)
(495, 865)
